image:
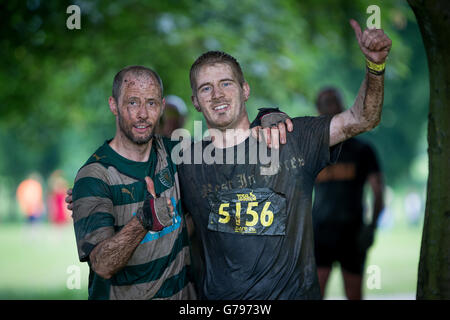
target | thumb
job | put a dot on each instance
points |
(357, 29)
(150, 186)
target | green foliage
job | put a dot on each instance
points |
(55, 82)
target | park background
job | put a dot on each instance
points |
(55, 83)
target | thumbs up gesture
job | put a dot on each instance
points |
(374, 43)
(156, 212)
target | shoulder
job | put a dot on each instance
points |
(96, 167)
(93, 170)
(103, 155)
(311, 126)
(91, 181)
(311, 120)
(166, 142)
(170, 144)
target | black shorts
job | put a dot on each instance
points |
(338, 243)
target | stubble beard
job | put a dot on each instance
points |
(232, 121)
(127, 131)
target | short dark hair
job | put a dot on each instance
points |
(327, 96)
(212, 57)
(137, 71)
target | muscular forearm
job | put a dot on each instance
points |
(366, 111)
(112, 254)
(369, 106)
(364, 115)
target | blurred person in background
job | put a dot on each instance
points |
(339, 231)
(173, 117)
(29, 196)
(57, 210)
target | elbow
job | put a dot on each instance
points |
(106, 276)
(99, 269)
(377, 121)
(372, 123)
(103, 273)
(374, 117)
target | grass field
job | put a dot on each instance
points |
(37, 263)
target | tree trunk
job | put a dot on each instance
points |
(433, 18)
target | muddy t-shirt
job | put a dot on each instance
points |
(253, 216)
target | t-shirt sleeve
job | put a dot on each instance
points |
(313, 134)
(92, 209)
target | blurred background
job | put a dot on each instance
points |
(55, 83)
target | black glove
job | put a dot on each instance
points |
(155, 214)
(268, 117)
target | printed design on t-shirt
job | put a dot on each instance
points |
(244, 180)
(165, 177)
(246, 211)
(337, 172)
(98, 158)
(293, 163)
(126, 191)
(239, 181)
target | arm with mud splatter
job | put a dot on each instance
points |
(365, 114)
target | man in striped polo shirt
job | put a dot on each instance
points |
(128, 221)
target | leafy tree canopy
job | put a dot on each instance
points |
(55, 82)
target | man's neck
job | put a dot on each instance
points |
(130, 150)
(229, 137)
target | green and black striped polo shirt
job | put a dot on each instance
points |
(108, 191)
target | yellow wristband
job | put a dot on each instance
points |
(375, 67)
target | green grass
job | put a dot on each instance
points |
(35, 260)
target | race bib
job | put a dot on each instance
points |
(258, 211)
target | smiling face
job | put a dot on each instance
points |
(138, 108)
(220, 97)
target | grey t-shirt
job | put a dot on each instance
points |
(255, 229)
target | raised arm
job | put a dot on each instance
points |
(365, 114)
